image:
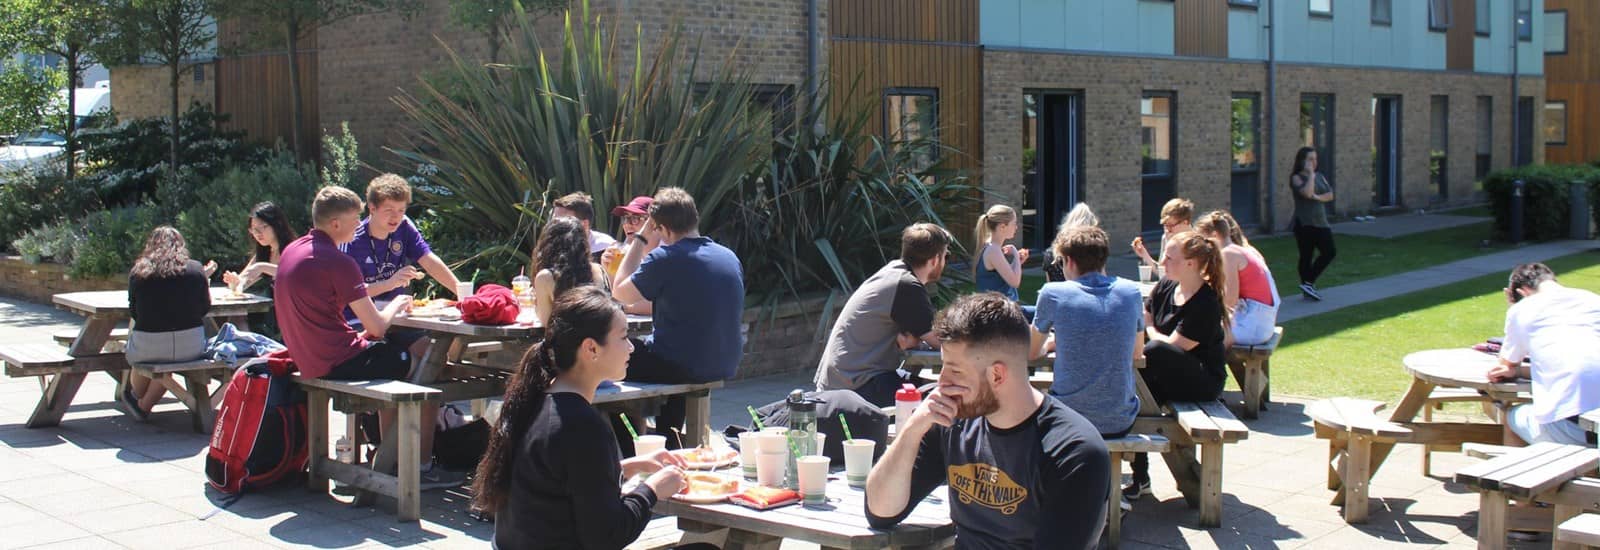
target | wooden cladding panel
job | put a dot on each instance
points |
(253, 91)
(955, 71)
(1459, 39)
(1581, 63)
(954, 21)
(1200, 28)
(1583, 122)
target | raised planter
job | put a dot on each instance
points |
(38, 282)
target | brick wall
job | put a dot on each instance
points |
(366, 60)
(144, 91)
(1112, 86)
(38, 282)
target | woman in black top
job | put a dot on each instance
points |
(168, 297)
(1184, 324)
(269, 233)
(553, 472)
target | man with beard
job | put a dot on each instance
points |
(1024, 470)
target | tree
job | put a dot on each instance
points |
(169, 32)
(29, 97)
(491, 16)
(288, 21)
(73, 30)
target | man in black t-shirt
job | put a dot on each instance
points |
(1024, 470)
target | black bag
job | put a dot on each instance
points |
(866, 421)
(460, 448)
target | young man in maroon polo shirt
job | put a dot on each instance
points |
(315, 283)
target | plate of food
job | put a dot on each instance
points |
(423, 307)
(708, 488)
(707, 458)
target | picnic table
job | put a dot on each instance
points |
(102, 311)
(1547, 473)
(840, 523)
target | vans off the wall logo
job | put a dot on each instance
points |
(987, 486)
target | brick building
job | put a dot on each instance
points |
(1121, 104)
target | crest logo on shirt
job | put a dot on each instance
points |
(987, 486)
(396, 247)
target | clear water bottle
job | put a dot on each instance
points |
(802, 435)
(344, 450)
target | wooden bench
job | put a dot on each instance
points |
(1352, 427)
(1527, 475)
(1436, 400)
(1251, 366)
(67, 337)
(195, 392)
(1121, 448)
(60, 375)
(402, 446)
(1582, 530)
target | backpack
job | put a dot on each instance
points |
(260, 436)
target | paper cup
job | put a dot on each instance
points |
(1144, 273)
(463, 289)
(780, 430)
(647, 444)
(821, 438)
(747, 453)
(813, 479)
(858, 461)
(768, 442)
(770, 468)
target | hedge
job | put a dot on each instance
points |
(1546, 198)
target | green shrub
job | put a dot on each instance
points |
(131, 159)
(55, 242)
(30, 200)
(1546, 198)
(216, 217)
(111, 240)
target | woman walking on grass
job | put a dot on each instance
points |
(1311, 229)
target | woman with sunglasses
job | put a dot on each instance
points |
(633, 216)
(269, 231)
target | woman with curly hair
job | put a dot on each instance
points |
(561, 261)
(168, 297)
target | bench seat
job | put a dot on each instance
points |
(1251, 366)
(67, 337)
(24, 360)
(1120, 449)
(1583, 529)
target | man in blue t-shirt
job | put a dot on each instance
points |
(1097, 321)
(388, 246)
(697, 288)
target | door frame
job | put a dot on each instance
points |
(1234, 172)
(1393, 190)
(1052, 201)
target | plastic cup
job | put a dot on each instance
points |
(780, 430)
(858, 461)
(747, 453)
(649, 444)
(769, 442)
(813, 473)
(821, 438)
(463, 289)
(770, 468)
(1144, 273)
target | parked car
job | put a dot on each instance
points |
(36, 149)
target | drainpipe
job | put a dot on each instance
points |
(813, 51)
(1516, 102)
(1272, 116)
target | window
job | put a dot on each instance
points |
(1323, 8)
(1245, 3)
(1482, 16)
(1525, 20)
(1242, 132)
(1155, 134)
(1438, 15)
(1316, 129)
(1382, 12)
(1439, 146)
(911, 119)
(1555, 32)
(1555, 123)
(1485, 136)
(200, 72)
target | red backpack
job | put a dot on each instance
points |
(260, 436)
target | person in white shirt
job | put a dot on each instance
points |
(580, 205)
(1558, 330)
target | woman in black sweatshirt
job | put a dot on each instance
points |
(168, 297)
(553, 472)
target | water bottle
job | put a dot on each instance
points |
(344, 451)
(905, 401)
(802, 435)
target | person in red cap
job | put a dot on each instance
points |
(633, 216)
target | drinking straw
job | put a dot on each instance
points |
(846, 425)
(793, 448)
(629, 426)
(755, 417)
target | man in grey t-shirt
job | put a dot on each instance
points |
(1097, 321)
(887, 314)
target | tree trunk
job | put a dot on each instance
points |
(72, 112)
(172, 167)
(292, 31)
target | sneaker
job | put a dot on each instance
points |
(1310, 291)
(343, 490)
(130, 404)
(434, 476)
(1135, 490)
(1126, 506)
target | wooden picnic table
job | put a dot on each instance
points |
(1548, 473)
(102, 311)
(840, 523)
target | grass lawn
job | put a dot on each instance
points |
(1357, 351)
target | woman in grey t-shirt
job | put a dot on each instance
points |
(1311, 230)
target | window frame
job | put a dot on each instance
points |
(1564, 120)
(1172, 133)
(1328, 14)
(1245, 4)
(1373, 8)
(1435, 22)
(934, 135)
(1524, 15)
(1565, 28)
(1482, 13)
